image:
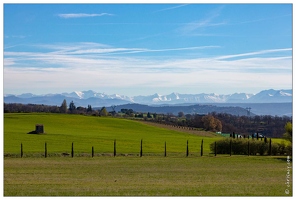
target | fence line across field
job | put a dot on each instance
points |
(165, 153)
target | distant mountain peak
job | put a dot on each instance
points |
(79, 94)
(92, 97)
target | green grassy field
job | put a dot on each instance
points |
(146, 176)
(127, 175)
(87, 131)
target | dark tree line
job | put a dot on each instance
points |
(269, 126)
(64, 108)
(28, 108)
(207, 122)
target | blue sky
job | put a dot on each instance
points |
(142, 49)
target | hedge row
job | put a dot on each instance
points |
(254, 147)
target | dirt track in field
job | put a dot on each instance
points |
(181, 129)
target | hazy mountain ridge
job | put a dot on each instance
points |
(267, 102)
(83, 98)
(189, 109)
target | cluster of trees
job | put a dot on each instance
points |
(64, 108)
(211, 123)
(81, 110)
(127, 112)
(27, 108)
(243, 146)
(269, 126)
(247, 146)
(132, 113)
(206, 122)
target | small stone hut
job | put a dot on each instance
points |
(39, 128)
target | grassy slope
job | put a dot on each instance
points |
(146, 176)
(87, 131)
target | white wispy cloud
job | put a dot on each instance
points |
(135, 51)
(79, 15)
(132, 73)
(8, 62)
(199, 26)
(194, 27)
(90, 65)
(84, 48)
(170, 8)
(254, 53)
(96, 55)
(89, 48)
(259, 20)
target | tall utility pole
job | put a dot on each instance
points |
(248, 111)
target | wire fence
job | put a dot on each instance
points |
(216, 149)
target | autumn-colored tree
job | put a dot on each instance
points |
(208, 122)
(211, 124)
(218, 125)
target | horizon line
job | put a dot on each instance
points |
(90, 90)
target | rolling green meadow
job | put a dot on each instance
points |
(99, 132)
(127, 174)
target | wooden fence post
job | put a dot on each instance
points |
(141, 150)
(92, 151)
(270, 147)
(230, 148)
(201, 148)
(165, 153)
(248, 148)
(21, 150)
(215, 148)
(45, 150)
(187, 150)
(114, 153)
(72, 150)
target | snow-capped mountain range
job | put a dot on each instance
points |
(84, 98)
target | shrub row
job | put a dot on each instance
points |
(254, 147)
